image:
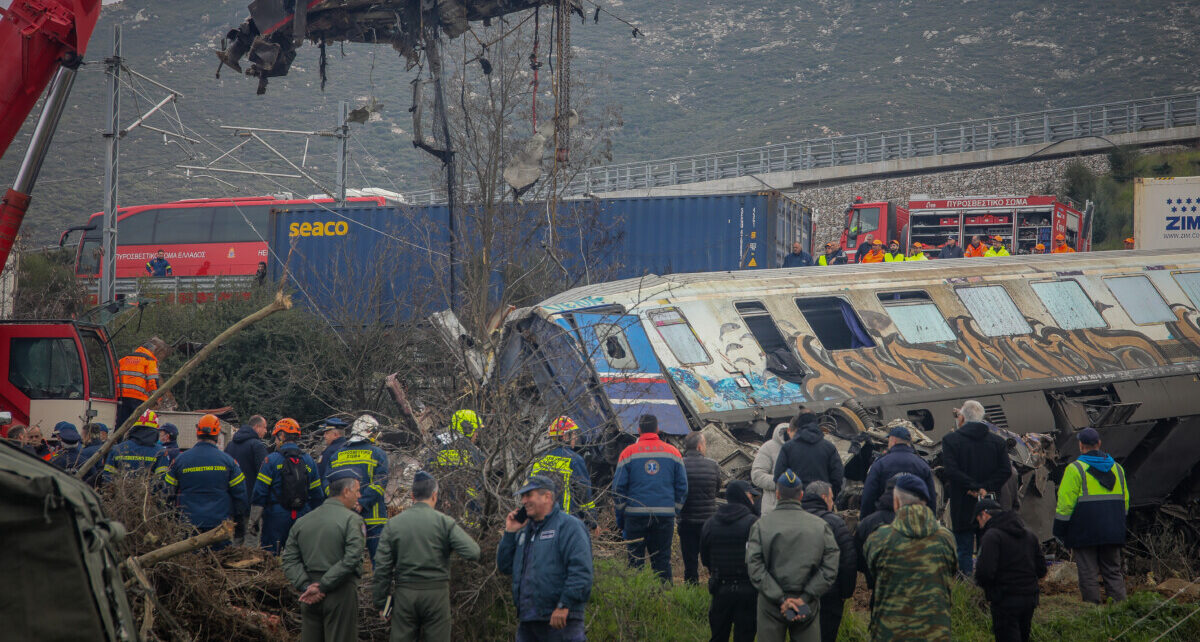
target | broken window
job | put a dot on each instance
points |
(994, 311)
(835, 323)
(1068, 304)
(1190, 283)
(780, 359)
(916, 317)
(1141, 301)
(616, 348)
(679, 337)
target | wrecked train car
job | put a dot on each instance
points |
(1049, 344)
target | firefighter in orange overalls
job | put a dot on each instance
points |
(138, 377)
(1060, 245)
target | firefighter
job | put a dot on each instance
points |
(917, 252)
(568, 469)
(288, 486)
(458, 459)
(206, 483)
(1060, 245)
(876, 255)
(1129, 243)
(1039, 249)
(893, 253)
(159, 266)
(359, 454)
(975, 249)
(168, 438)
(833, 256)
(139, 376)
(997, 248)
(139, 451)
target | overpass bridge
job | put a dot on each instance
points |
(898, 152)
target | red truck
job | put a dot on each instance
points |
(883, 220)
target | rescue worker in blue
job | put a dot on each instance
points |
(168, 438)
(333, 433)
(287, 487)
(649, 489)
(139, 451)
(549, 557)
(159, 265)
(94, 435)
(569, 471)
(204, 482)
(369, 462)
(69, 456)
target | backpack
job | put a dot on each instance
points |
(293, 483)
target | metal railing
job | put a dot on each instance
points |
(1044, 127)
(191, 288)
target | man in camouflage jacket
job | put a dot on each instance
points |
(913, 560)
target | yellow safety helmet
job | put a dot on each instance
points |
(148, 418)
(561, 426)
(464, 422)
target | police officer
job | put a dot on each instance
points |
(139, 451)
(168, 438)
(205, 482)
(323, 560)
(564, 465)
(333, 433)
(286, 488)
(370, 464)
(414, 556)
(68, 457)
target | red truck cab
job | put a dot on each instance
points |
(883, 220)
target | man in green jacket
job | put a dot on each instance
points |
(323, 560)
(792, 556)
(414, 555)
(913, 560)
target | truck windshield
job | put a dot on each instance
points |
(89, 256)
(862, 221)
(99, 365)
(46, 368)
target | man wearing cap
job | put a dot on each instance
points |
(369, 462)
(997, 248)
(649, 488)
(323, 559)
(912, 560)
(1060, 245)
(333, 435)
(549, 556)
(833, 256)
(703, 482)
(1093, 501)
(204, 482)
(723, 552)
(139, 451)
(899, 458)
(94, 435)
(1129, 244)
(874, 255)
(893, 254)
(69, 456)
(412, 566)
(798, 257)
(808, 453)
(249, 451)
(792, 559)
(951, 250)
(286, 487)
(1009, 566)
(917, 252)
(1039, 249)
(168, 438)
(567, 468)
(868, 240)
(818, 500)
(975, 249)
(976, 464)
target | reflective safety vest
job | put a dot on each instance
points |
(371, 465)
(919, 256)
(139, 375)
(994, 252)
(889, 257)
(575, 487)
(973, 252)
(1087, 513)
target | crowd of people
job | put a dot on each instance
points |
(873, 250)
(781, 560)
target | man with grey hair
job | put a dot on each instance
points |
(762, 471)
(412, 566)
(976, 464)
(818, 500)
(703, 482)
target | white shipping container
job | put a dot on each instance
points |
(1166, 213)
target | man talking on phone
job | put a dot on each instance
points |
(549, 555)
(792, 556)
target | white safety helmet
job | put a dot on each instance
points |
(364, 427)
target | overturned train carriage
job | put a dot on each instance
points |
(1048, 344)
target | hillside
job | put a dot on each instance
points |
(743, 74)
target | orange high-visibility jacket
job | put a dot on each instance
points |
(139, 375)
(974, 252)
(1062, 249)
(872, 257)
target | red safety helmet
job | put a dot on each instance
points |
(148, 418)
(561, 426)
(288, 425)
(208, 426)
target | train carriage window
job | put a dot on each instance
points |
(616, 348)
(780, 359)
(916, 317)
(1141, 301)
(835, 323)
(1190, 283)
(994, 311)
(1068, 304)
(679, 337)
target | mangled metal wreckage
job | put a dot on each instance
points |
(1048, 344)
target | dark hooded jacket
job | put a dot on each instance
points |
(723, 543)
(848, 558)
(973, 457)
(1010, 560)
(704, 480)
(901, 458)
(249, 452)
(811, 456)
(869, 524)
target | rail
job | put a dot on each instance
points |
(190, 288)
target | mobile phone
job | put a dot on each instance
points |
(803, 613)
(522, 515)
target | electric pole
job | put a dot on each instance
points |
(108, 240)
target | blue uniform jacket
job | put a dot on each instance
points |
(158, 267)
(650, 480)
(550, 564)
(575, 492)
(797, 260)
(900, 459)
(266, 490)
(371, 464)
(207, 485)
(172, 448)
(139, 452)
(249, 452)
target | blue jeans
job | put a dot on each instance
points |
(965, 543)
(653, 534)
